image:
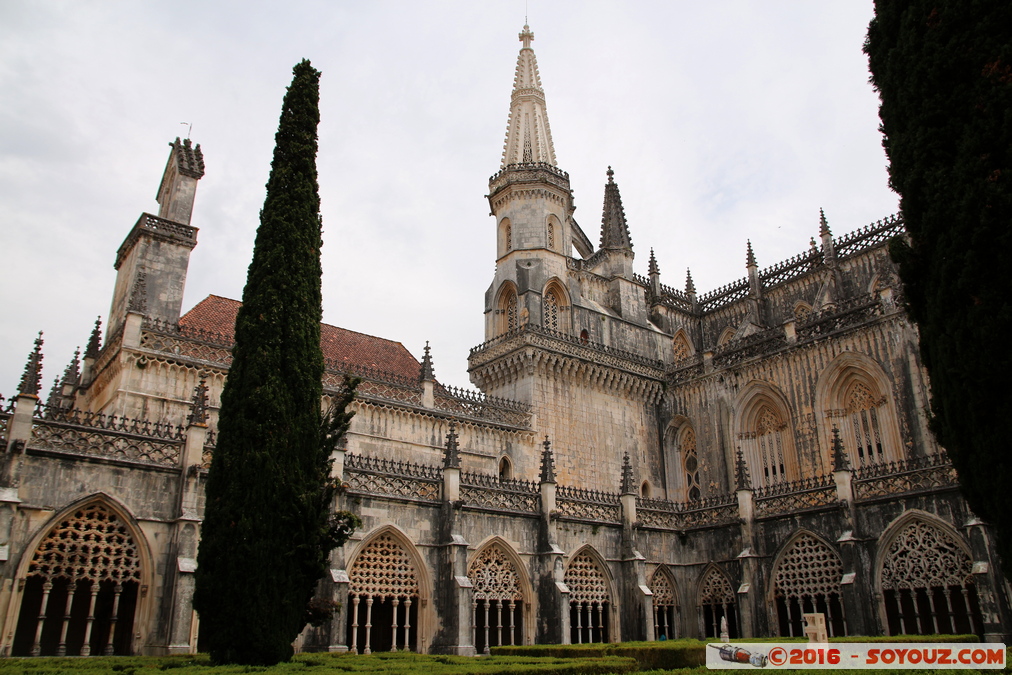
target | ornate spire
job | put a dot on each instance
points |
(528, 136)
(72, 374)
(427, 374)
(451, 457)
(653, 268)
(840, 461)
(614, 231)
(750, 256)
(823, 224)
(741, 478)
(547, 463)
(198, 404)
(31, 380)
(628, 484)
(690, 288)
(55, 399)
(95, 341)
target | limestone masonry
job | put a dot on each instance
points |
(639, 461)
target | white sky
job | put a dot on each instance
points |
(724, 121)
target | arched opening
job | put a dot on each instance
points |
(662, 585)
(690, 462)
(802, 311)
(505, 237)
(645, 491)
(507, 310)
(765, 436)
(552, 234)
(927, 582)
(498, 599)
(717, 605)
(726, 336)
(383, 598)
(853, 395)
(505, 469)
(552, 304)
(81, 589)
(589, 600)
(584, 336)
(680, 346)
(555, 307)
(806, 580)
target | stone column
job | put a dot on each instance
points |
(637, 616)
(987, 578)
(552, 610)
(750, 594)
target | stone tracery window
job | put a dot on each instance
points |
(765, 446)
(863, 418)
(680, 347)
(665, 605)
(717, 602)
(553, 305)
(802, 311)
(808, 580)
(927, 583)
(507, 311)
(551, 235)
(497, 600)
(690, 463)
(589, 600)
(383, 595)
(81, 590)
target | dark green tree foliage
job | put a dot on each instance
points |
(268, 525)
(943, 71)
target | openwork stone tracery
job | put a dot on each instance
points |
(498, 600)
(927, 584)
(383, 594)
(665, 604)
(589, 599)
(716, 602)
(808, 580)
(81, 589)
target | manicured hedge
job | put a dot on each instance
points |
(666, 655)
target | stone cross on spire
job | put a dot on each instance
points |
(528, 136)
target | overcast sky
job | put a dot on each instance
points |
(724, 121)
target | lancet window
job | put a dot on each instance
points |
(383, 599)
(863, 423)
(808, 580)
(81, 590)
(690, 463)
(927, 584)
(551, 235)
(717, 605)
(507, 311)
(680, 347)
(498, 602)
(551, 304)
(764, 446)
(589, 600)
(665, 605)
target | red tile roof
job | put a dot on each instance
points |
(215, 314)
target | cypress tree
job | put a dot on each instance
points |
(943, 71)
(268, 526)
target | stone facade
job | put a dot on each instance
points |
(639, 461)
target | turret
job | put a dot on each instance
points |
(151, 263)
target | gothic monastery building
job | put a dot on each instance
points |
(638, 461)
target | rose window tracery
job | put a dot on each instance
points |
(494, 576)
(92, 543)
(383, 570)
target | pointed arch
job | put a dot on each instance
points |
(924, 574)
(553, 233)
(854, 394)
(681, 345)
(502, 604)
(592, 597)
(82, 583)
(666, 605)
(726, 336)
(505, 237)
(505, 468)
(763, 428)
(806, 577)
(555, 306)
(507, 308)
(802, 310)
(388, 594)
(715, 601)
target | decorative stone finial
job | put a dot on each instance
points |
(95, 341)
(690, 288)
(31, 380)
(526, 36)
(840, 460)
(55, 400)
(652, 265)
(427, 373)
(611, 174)
(742, 480)
(451, 457)
(750, 256)
(198, 404)
(628, 484)
(72, 374)
(547, 463)
(823, 224)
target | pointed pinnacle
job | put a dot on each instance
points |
(750, 257)
(95, 341)
(547, 463)
(451, 458)
(653, 268)
(614, 229)
(73, 372)
(427, 372)
(31, 379)
(628, 486)
(840, 460)
(823, 224)
(741, 477)
(690, 287)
